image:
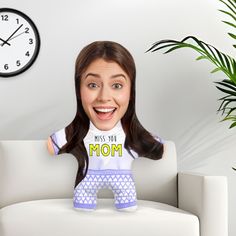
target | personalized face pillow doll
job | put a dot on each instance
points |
(105, 135)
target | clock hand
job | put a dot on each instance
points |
(12, 34)
(16, 36)
(4, 42)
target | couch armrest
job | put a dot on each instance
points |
(206, 197)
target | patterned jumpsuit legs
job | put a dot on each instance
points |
(119, 181)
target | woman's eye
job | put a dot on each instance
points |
(92, 85)
(117, 86)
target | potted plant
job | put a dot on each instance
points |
(220, 60)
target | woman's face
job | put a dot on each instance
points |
(105, 93)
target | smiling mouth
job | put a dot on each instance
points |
(104, 113)
(104, 110)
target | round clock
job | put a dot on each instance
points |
(19, 42)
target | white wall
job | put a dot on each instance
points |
(176, 97)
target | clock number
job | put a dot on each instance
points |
(4, 17)
(6, 67)
(18, 63)
(19, 43)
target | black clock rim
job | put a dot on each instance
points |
(38, 43)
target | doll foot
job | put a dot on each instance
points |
(84, 209)
(128, 209)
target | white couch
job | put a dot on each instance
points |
(36, 192)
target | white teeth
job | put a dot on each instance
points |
(105, 110)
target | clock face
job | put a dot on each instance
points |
(19, 42)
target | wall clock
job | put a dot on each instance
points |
(19, 42)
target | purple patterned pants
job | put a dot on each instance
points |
(119, 181)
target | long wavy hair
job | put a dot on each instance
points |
(137, 139)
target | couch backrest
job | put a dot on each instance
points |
(28, 172)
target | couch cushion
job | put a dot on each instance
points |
(28, 172)
(58, 217)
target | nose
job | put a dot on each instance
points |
(104, 94)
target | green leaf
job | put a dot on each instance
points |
(215, 70)
(234, 168)
(174, 48)
(232, 35)
(165, 46)
(229, 6)
(233, 63)
(161, 42)
(202, 57)
(227, 102)
(232, 3)
(228, 81)
(224, 97)
(201, 45)
(210, 49)
(219, 109)
(223, 104)
(230, 99)
(232, 76)
(223, 59)
(231, 24)
(228, 85)
(227, 13)
(202, 49)
(229, 65)
(228, 118)
(226, 91)
(233, 125)
(231, 110)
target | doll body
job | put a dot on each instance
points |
(109, 167)
(105, 77)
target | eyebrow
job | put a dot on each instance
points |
(112, 77)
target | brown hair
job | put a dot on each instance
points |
(137, 139)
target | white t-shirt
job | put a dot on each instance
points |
(105, 148)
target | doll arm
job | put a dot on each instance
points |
(56, 141)
(158, 138)
(135, 155)
(50, 146)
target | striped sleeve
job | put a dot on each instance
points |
(58, 140)
(159, 139)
